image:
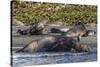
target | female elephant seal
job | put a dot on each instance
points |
(55, 44)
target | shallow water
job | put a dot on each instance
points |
(29, 59)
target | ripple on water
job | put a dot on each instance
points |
(26, 59)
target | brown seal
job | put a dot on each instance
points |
(55, 44)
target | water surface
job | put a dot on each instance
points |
(29, 59)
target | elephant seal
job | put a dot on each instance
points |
(78, 29)
(55, 44)
(35, 29)
(38, 45)
(22, 32)
(64, 44)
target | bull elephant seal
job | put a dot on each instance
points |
(55, 44)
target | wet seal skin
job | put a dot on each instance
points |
(55, 44)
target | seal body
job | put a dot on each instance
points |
(35, 29)
(38, 45)
(55, 44)
(78, 29)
